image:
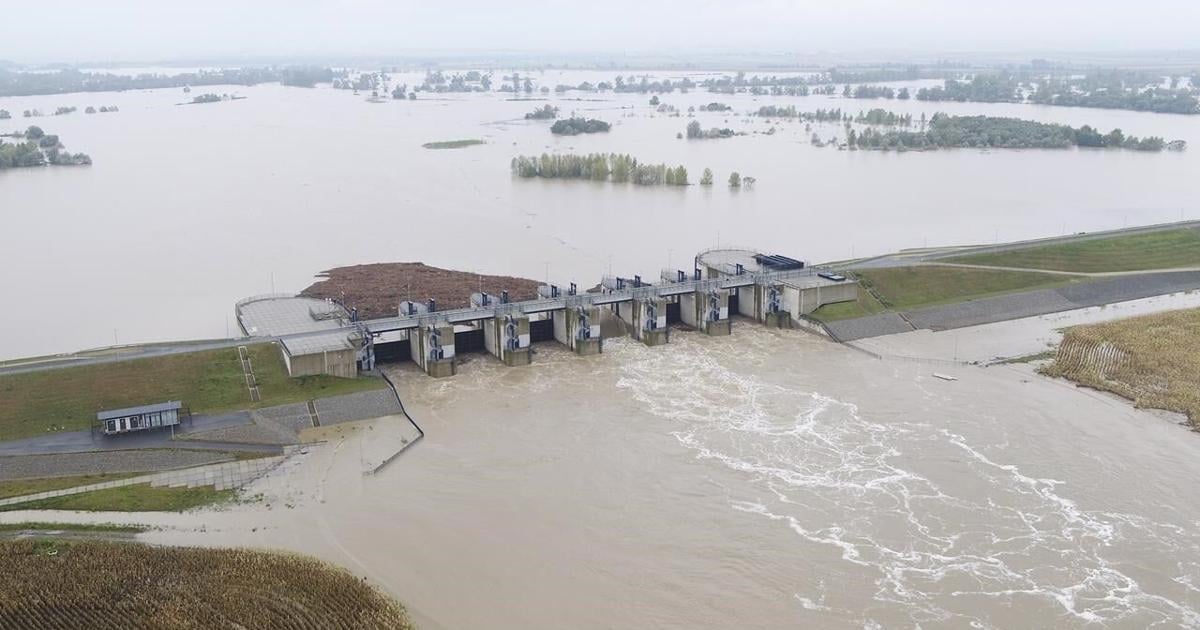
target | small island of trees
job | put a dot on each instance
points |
(575, 126)
(545, 112)
(38, 149)
(694, 131)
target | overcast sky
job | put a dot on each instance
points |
(156, 30)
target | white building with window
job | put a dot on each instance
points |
(119, 421)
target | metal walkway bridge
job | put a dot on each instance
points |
(420, 321)
(607, 296)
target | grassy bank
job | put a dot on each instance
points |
(452, 144)
(1153, 360)
(134, 498)
(905, 288)
(59, 584)
(1136, 252)
(210, 381)
(21, 487)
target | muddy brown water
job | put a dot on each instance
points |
(764, 480)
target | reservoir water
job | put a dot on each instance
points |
(189, 208)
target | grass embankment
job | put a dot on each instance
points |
(1153, 360)
(134, 498)
(21, 487)
(55, 584)
(908, 288)
(1136, 252)
(452, 144)
(210, 381)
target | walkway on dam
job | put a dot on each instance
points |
(802, 278)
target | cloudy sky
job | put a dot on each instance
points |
(155, 30)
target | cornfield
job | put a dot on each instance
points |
(109, 585)
(1153, 360)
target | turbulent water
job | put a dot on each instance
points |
(187, 209)
(931, 516)
(764, 480)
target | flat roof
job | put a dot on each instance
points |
(170, 405)
(276, 316)
(335, 341)
(725, 260)
(809, 282)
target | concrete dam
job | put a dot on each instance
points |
(324, 337)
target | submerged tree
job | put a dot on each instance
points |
(545, 112)
(735, 180)
(707, 178)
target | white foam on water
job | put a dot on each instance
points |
(839, 479)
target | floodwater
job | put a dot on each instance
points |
(764, 480)
(189, 208)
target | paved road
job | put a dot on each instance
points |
(88, 441)
(1108, 290)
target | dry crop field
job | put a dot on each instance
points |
(100, 585)
(1153, 360)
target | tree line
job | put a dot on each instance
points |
(616, 167)
(13, 83)
(1105, 90)
(994, 132)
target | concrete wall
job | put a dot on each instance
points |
(421, 346)
(510, 346)
(579, 331)
(341, 363)
(647, 320)
(694, 311)
(804, 301)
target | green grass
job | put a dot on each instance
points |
(21, 487)
(452, 144)
(136, 498)
(905, 288)
(1137, 252)
(210, 381)
(866, 304)
(71, 527)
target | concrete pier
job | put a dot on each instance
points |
(647, 319)
(432, 348)
(578, 328)
(706, 310)
(765, 303)
(507, 338)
